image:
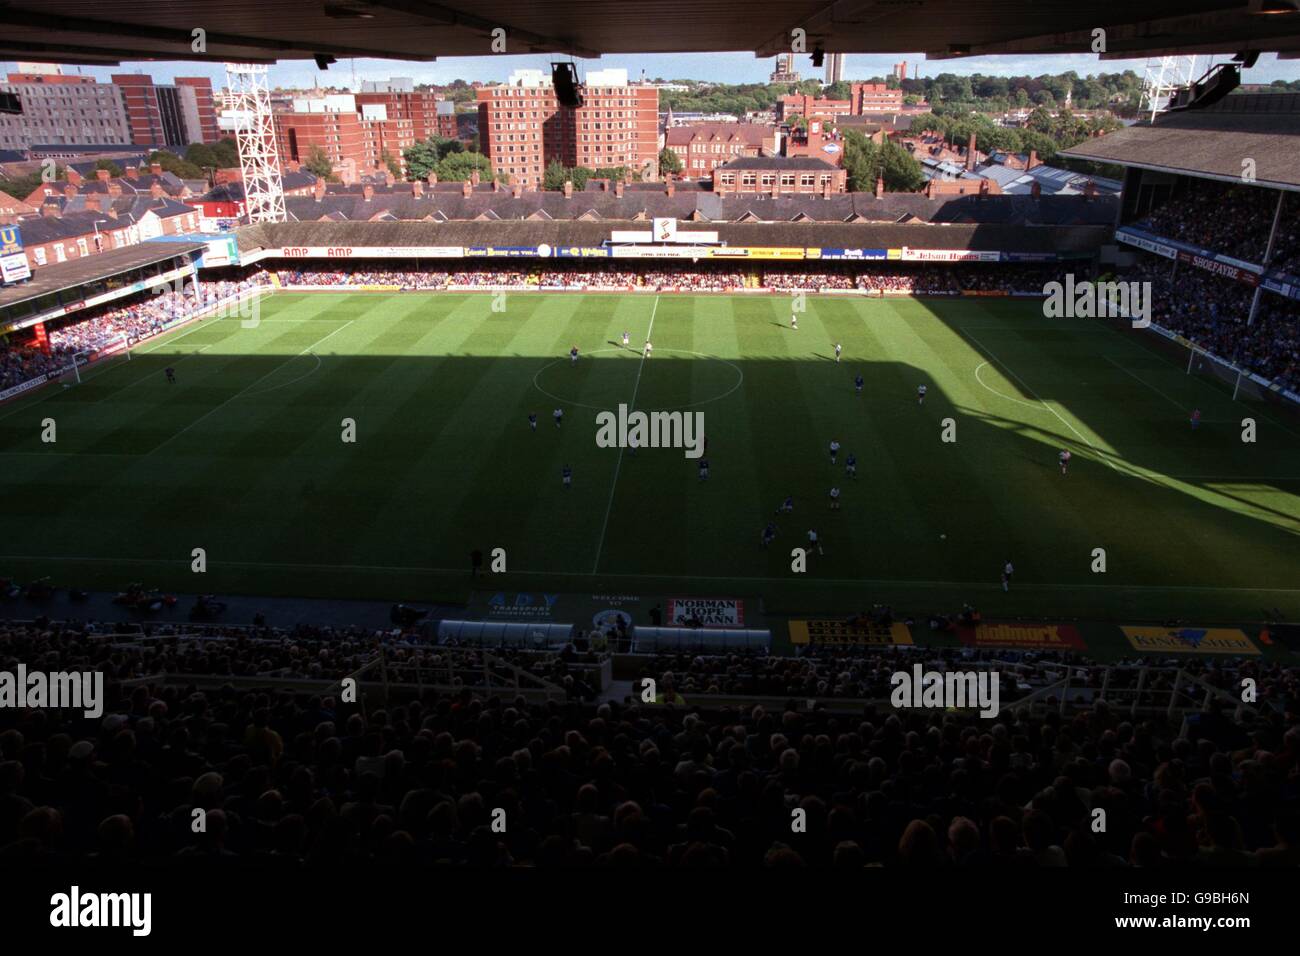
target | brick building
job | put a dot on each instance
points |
(429, 113)
(874, 98)
(168, 115)
(779, 176)
(863, 98)
(63, 110)
(522, 126)
(350, 134)
(705, 146)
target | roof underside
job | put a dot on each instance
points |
(78, 272)
(82, 31)
(1242, 134)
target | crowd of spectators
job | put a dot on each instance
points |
(288, 777)
(1211, 311)
(404, 279)
(22, 363)
(1234, 220)
(131, 320)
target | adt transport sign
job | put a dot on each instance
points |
(13, 261)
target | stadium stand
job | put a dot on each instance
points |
(246, 727)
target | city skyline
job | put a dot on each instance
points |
(717, 68)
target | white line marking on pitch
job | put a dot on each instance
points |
(1099, 453)
(604, 525)
(1018, 401)
(1143, 381)
(867, 582)
(239, 393)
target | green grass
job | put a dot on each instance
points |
(243, 457)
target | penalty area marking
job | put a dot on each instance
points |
(1103, 456)
(245, 389)
(1018, 401)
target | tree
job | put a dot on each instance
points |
(171, 163)
(318, 163)
(864, 161)
(226, 153)
(200, 155)
(423, 157)
(670, 164)
(555, 176)
(393, 165)
(458, 167)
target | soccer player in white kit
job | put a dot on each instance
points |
(794, 321)
(648, 349)
(920, 394)
(835, 450)
(835, 499)
(813, 542)
(1064, 458)
(838, 349)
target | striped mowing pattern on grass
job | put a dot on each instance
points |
(243, 456)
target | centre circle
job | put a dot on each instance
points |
(611, 372)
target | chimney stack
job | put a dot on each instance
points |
(49, 210)
(970, 154)
(568, 189)
(474, 178)
(389, 178)
(417, 189)
(115, 189)
(496, 185)
(1033, 159)
(467, 188)
(517, 190)
(880, 187)
(618, 189)
(367, 192)
(318, 190)
(1090, 190)
(155, 169)
(133, 172)
(433, 178)
(1036, 190)
(670, 188)
(984, 188)
(73, 176)
(102, 175)
(156, 191)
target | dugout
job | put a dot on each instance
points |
(651, 640)
(538, 635)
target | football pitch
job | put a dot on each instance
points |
(244, 457)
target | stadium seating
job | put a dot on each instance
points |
(290, 775)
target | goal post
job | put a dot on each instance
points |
(1203, 364)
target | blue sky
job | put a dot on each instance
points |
(724, 67)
